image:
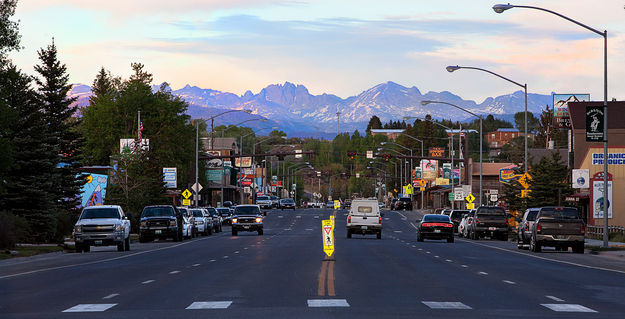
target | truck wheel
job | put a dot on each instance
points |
(78, 248)
(260, 232)
(379, 235)
(86, 248)
(210, 231)
(349, 233)
(534, 246)
(121, 246)
(234, 232)
(419, 238)
(127, 243)
(578, 248)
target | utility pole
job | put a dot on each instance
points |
(338, 117)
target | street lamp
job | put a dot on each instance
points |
(500, 8)
(197, 148)
(478, 116)
(452, 68)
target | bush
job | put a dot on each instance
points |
(65, 222)
(13, 229)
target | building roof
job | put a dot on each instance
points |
(386, 130)
(508, 130)
(536, 154)
(454, 131)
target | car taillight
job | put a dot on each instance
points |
(538, 228)
(349, 219)
(527, 226)
(583, 229)
(380, 220)
(469, 222)
(477, 220)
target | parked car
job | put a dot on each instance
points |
(227, 203)
(466, 221)
(188, 223)
(264, 202)
(203, 222)
(438, 210)
(160, 221)
(434, 226)
(404, 203)
(287, 203)
(381, 205)
(247, 218)
(364, 217)
(446, 211)
(217, 221)
(275, 201)
(226, 214)
(456, 217)
(102, 226)
(524, 233)
(489, 220)
(559, 227)
(393, 202)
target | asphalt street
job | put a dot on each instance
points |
(283, 274)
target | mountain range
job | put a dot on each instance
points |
(295, 111)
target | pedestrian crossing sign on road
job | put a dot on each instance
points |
(328, 236)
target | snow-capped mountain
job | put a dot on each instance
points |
(294, 110)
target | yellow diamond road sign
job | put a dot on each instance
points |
(470, 198)
(186, 194)
(524, 179)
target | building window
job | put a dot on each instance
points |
(492, 135)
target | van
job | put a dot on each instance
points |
(364, 218)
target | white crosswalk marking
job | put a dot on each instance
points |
(209, 305)
(445, 305)
(91, 307)
(318, 303)
(560, 307)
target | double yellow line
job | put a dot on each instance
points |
(326, 276)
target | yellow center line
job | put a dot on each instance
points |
(331, 291)
(322, 279)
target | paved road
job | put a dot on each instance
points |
(282, 275)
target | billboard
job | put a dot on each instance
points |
(429, 169)
(129, 145)
(243, 161)
(436, 151)
(561, 115)
(170, 177)
(93, 191)
(508, 174)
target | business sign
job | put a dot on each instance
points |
(613, 158)
(429, 169)
(214, 163)
(580, 178)
(594, 124)
(446, 171)
(214, 175)
(436, 151)
(508, 174)
(417, 173)
(129, 145)
(561, 115)
(442, 181)
(243, 161)
(93, 192)
(597, 196)
(170, 177)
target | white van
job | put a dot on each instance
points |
(364, 218)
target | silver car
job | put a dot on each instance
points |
(203, 222)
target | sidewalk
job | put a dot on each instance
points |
(599, 243)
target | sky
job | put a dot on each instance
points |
(340, 47)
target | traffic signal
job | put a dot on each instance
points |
(387, 157)
(351, 155)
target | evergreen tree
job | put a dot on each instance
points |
(374, 123)
(9, 32)
(549, 179)
(29, 180)
(62, 126)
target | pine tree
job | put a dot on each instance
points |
(30, 178)
(61, 125)
(549, 179)
(374, 123)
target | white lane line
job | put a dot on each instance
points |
(413, 246)
(212, 260)
(209, 305)
(287, 229)
(448, 260)
(555, 298)
(174, 272)
(309, 229)
(482, 273)
(148, 281)
(298, 216)
(225, 257)
(543, 258)
(427, 252)
(236, 252)
(386, 218)
(397, 231)
(91, 307)
(437, 257)
(110, 296)
(464, 266)
(195, 265)
(402, 215)
(280, 216)
(445, 305)
(413, 225)
(317, 217)
(317, 303)
(559, 307)
(420, 248)
(509, 282)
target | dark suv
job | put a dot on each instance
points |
(160, 221)
(403, 203)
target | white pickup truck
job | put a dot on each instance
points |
(364, 218)
(102, 226)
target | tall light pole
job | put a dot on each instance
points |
(197, 149)
(452, 68)
(421, 141)
(481, 133)
(500, 8)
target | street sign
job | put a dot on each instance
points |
(357, 175)
(369, 154)
(298, 153)
(196, 188)
(494, 192)
(422, 189)
(186, 194)
(186, 202)
(470, 206)
(451, 197)
(493, 197)
(170, 177)
(337, 204)
(458, 194)
(470, 198)
(524, 179)
(328, 236)
(525, 193)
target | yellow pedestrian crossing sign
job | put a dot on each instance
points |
(186, 194)
(328, 236)
(470, 198)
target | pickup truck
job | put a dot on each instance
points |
(558, 227)
(489, 220)
(161, 221)
(364, 218)
(247, 218)
(102, 226)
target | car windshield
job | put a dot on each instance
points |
(288, 201)
(223, 211)
(211, 211)
(491, 211)
(158, 212)
(247, 210)
(436, 218)
(197, 213)
(561, 213)
(262, 198)
(458, 213)
(93, 213)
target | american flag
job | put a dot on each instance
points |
(140, 130)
